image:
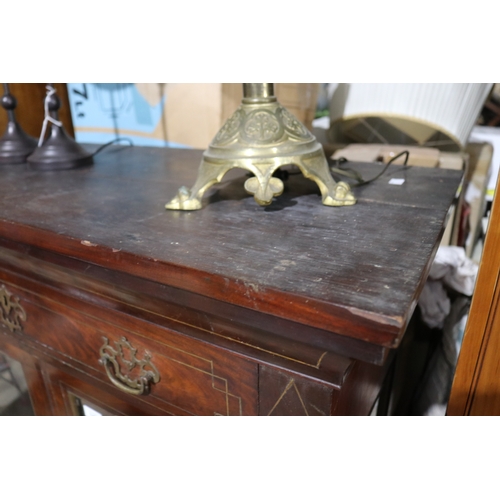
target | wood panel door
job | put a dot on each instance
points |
(476, 386)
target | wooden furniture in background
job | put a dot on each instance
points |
(236, 309)
(30, 107)
(476, 385)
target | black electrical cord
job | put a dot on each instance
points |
(349, 172)
(98, 150)
(346, 171)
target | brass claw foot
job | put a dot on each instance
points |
(183, 201)
(264, 191)
(342, 196)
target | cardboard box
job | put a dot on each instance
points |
(170, 114)
(419, 156)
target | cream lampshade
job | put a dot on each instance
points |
(427, 114)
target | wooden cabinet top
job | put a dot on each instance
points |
(352, 272)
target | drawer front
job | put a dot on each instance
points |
(68, 394)
(133, 356)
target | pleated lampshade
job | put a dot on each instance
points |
(428, 114)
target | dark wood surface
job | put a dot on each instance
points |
(293, 309)
(352, 271)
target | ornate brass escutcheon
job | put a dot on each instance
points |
(139, 373)
(11, 312)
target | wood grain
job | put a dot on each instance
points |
(292, 309)
(354, 271)
(285, 394)
(476, 385)
(195, 378)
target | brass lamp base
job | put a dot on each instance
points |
(260, 137)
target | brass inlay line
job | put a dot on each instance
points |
(65, 386)
(321, 359)
(287, 388)
(210, 373)
(70, 395)
(281, 397)
(210, 362)
(211, 332)
(318, 410)
(47, 381)
(200, 328)
(300, 398)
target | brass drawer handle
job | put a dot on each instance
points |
(114, 360)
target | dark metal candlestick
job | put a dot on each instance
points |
(15, 144)
(59, 151)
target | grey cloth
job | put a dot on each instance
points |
(451, 269)
(438, 378)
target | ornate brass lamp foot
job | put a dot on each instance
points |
(260, 137)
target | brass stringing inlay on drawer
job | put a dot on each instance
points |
(11, 312)
(165, 368)
(53, 272)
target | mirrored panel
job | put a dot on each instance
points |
(85, 408)
(14, 396)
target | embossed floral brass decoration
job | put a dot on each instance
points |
(11, 312)
(260, 137)
(124, 358)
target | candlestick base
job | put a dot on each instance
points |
(59, 152)
(15, 144)
(260, 137)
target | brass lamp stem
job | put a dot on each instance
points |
(258, 92)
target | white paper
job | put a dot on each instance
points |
(396, 181)
(90, 412)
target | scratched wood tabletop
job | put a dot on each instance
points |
(356, 271)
